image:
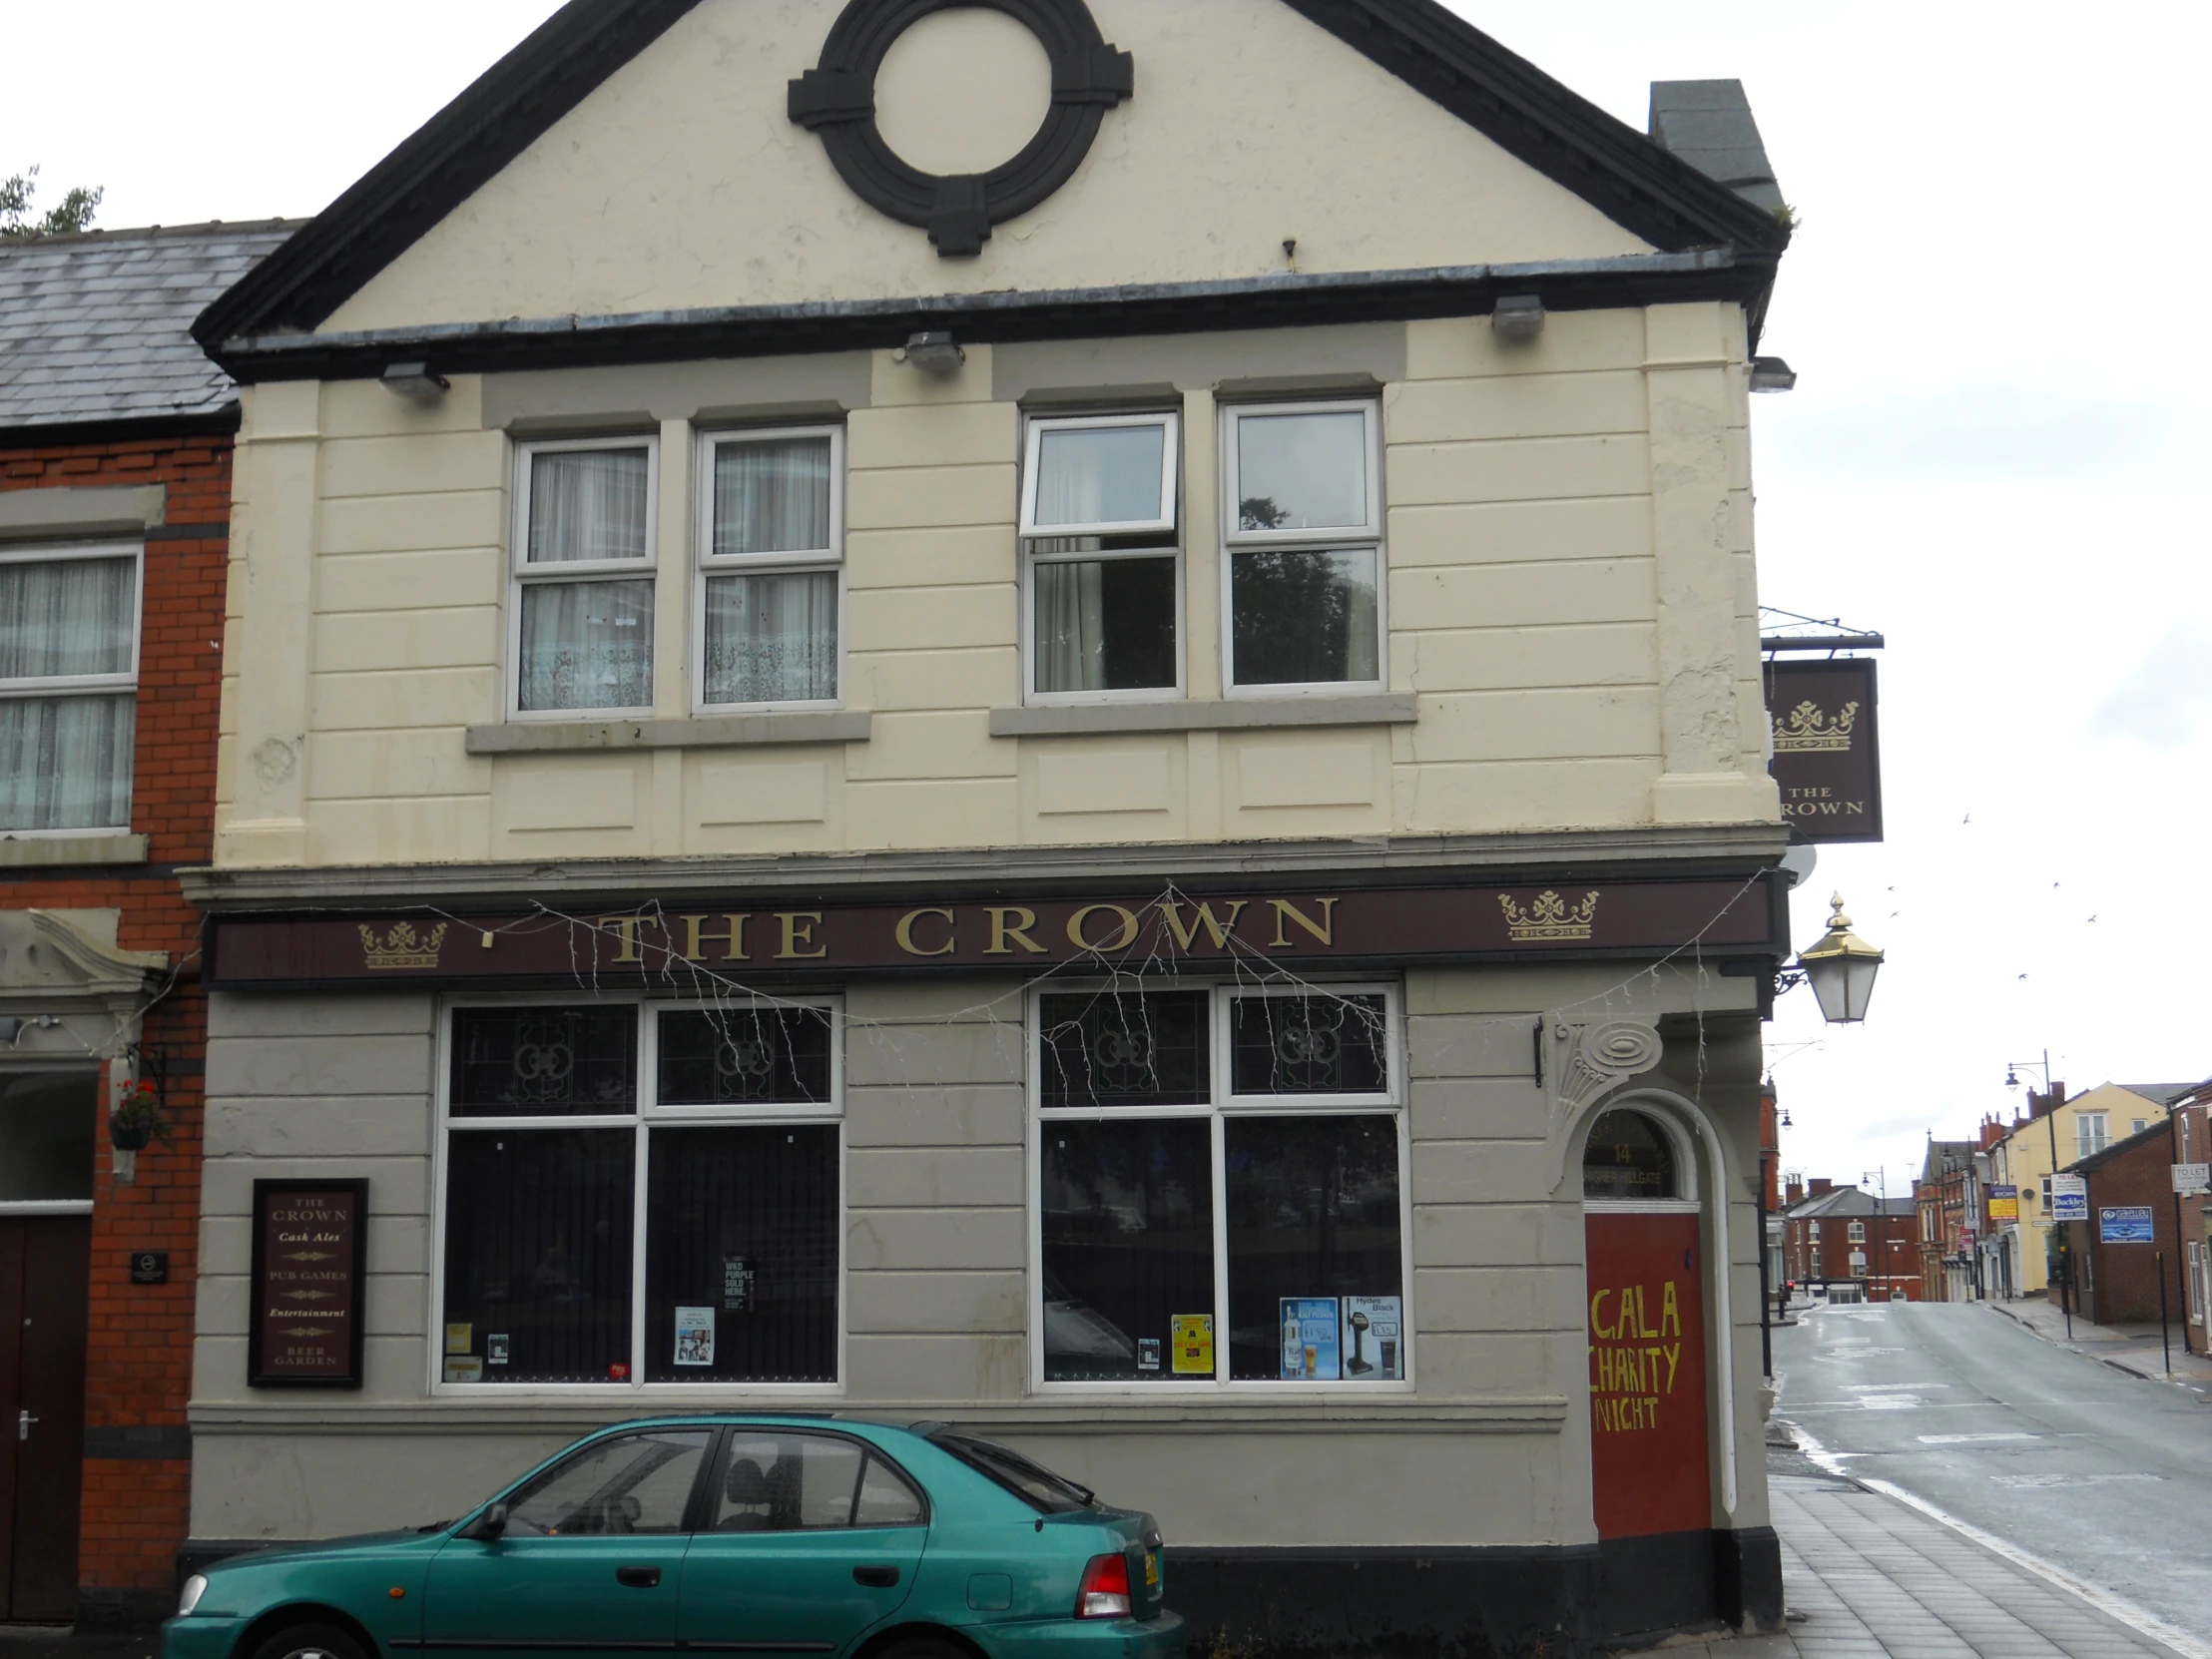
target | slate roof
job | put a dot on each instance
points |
(1849, 1202)
(96, 328)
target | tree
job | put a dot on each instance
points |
(17, 224)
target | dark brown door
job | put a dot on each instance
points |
(45, 1270)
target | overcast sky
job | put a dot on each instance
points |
(1995, 307)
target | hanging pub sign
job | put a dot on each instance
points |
(678, 942)
(1827, 757)
(310, 1258)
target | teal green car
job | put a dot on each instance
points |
(767, 1536)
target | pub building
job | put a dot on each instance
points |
(1043, 715)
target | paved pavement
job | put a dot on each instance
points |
(2135, 1348)
(2072, 1475)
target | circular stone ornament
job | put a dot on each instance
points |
(837, 100)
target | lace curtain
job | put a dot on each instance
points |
(773, 639)
(64, 760)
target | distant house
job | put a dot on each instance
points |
(2055, 1133)
(116, 435)
(1835, 1236)
(2131, 1234)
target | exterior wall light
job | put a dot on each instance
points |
(415, 380)
(1841, 970)
(1771, 374)
(936, 353)
(1518, 316)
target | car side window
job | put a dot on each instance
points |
(782, 1482)
(886, 1498)
(632, 1483)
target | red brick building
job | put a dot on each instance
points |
(115, 505)
(2191, 1127)
(2132, 1231)
(1841, 1236)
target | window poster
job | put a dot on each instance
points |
(461, 1339)
(1147, 1354)
(464, 1368)
(496, 1349)
(1193, 1334)
(694, 1336)
(1374, 1338)
(736, 1284)
(1309, 1348)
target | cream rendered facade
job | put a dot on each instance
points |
(1568, 691)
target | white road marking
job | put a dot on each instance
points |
(1972, 1439)
(2134, 1618)
(1893, 1403)
(2068, 1479)
(1881, 1388)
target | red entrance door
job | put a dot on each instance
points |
(1647, 1374)
(45, 1266)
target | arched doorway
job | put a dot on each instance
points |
(1650, 1454)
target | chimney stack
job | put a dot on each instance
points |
(1820, 1184)
(1795, 1192)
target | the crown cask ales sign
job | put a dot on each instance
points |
(1826, 756)
(311, 1257)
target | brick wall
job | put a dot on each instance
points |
(1808, 1260)
(139, 1347)
(2124, 1277)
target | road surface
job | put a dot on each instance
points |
(2106, 1476)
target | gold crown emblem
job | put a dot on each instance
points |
(1549, 917)
(402, 946)
(1806, 727)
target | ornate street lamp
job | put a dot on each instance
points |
(1841, 970)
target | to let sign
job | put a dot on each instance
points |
(311, 1247)
(1827, 761)
(2069, 1198)
(2190, 1179)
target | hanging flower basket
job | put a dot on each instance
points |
(137, 1122)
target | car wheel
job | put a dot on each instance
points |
(309, 1641)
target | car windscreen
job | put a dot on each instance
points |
(1030, 1482)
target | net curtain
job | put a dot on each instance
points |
(65, 761)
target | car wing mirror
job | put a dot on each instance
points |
(489, 1524)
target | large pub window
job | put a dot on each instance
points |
(1220, 1186)
(640, 1194)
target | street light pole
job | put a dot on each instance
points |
(1881, 1223)
(2051, 1116)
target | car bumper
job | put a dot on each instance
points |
(208, 1636)
(1159, 1638)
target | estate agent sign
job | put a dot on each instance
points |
(1826, 756)
(310, 1256)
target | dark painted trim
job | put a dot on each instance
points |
(1619, 171)
(100, 1608)
(1657, 1583)
(190, 532)
(152, 1441)
(837, 101)
(1747, 1577)
(1283, 299)
(1634, 181)
(136, 429)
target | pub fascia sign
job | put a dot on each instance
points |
(666, 941)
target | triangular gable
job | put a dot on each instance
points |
(1659, 201)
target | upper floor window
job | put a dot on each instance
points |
(581, 623)
(67, 686)
(1857, 1232)
(1098, 525)
(770, 590)
(2091, 1132)
(1303, 577)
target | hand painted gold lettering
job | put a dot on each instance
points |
(1598, 1326)
(1670, 1311)
(1324, 930)
(1120, 941)
(905, 933)
(1218, 928)
(1674, 1356)
(625, 927)
(697, 939)
(1002, 931)
(1644, 1327)
(799, 929)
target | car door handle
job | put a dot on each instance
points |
(875, 1578)
(638, 1578)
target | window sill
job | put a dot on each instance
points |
(706, 732)
(48, 852)
(1209, 715)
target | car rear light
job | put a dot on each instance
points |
(1105, 1591)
